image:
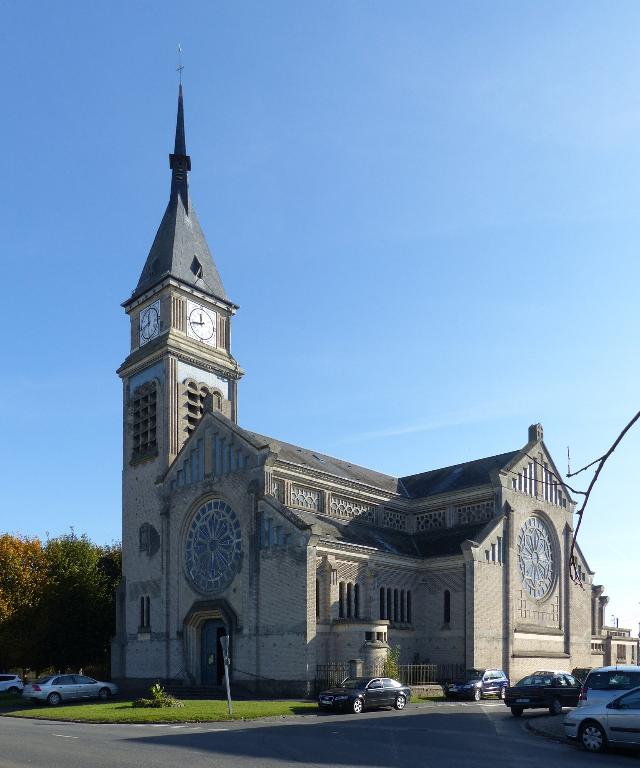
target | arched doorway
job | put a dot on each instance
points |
(211, 657)
(205, 623)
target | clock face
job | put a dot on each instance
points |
(201, 323)
(149, 322)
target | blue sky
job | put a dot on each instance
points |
(428, 213)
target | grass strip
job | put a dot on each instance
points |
(194, 711)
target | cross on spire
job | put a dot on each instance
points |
(180, 66)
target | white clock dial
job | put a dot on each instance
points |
(149, 322)
(201, 323)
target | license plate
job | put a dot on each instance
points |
(522, 701)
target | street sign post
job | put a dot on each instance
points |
(224, 642)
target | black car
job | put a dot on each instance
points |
(357, 693)
(477, 683)
(543, 690)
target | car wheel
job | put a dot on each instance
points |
(104, 694)
(401, 701)
(556, 707)
(54, 699)
(516, 711)
(477, 694)
(13, 691)
(357, 706)
(592, 736)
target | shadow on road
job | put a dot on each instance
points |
(379, 740)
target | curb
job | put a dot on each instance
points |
(545, 734)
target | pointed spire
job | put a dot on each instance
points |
(179, 161)
(180, 147)
(180, 249)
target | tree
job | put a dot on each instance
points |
(57, 601)
(78, 601)
(22, 577)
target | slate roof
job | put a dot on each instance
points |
(179, 237)
(324, 463)
(437, 543)
(454, 478)
(178, 240)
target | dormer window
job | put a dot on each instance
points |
(196, 267)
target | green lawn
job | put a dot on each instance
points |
(193, 711)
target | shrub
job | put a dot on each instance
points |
(391, 663)
(159, 698)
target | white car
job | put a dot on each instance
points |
(607, 683)
(57, 688)
(615, 722)
(10, 684)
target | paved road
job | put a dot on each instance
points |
(442, 735)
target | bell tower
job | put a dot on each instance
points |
(180, 332)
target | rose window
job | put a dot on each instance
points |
(535, 558)
(213, 551)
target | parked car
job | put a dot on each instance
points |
(580, 673)
(605, 683)
(357, 693)
(543, 690)
(597, 724)
(57, 688)
(10, 684)
(478, 683)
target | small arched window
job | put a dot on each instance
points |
(145, 613)
(409, 617)
(389, 604)
(382, 601)
(403, 606)
(447, 606)
(356, 601)
(341, 600)
(349, 600)
(317, 598)
(396, 612)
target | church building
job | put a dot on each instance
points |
(302, 559)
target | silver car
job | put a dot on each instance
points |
(10, 684)
(57, 688)
(607, 683)
(615, 722)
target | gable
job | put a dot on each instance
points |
(216, 448)
(534, 473)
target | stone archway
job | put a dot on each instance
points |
(204, 625)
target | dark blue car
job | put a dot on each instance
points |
(476, 684)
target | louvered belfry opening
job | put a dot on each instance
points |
(145, 401)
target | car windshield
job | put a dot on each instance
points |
(354, 682)
(537, 680)
(42, 680)
(473, 674)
